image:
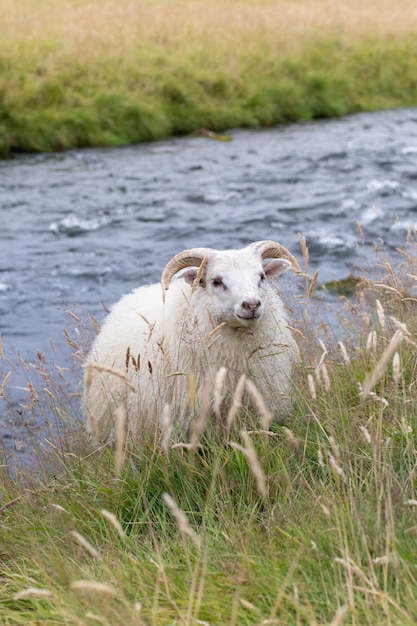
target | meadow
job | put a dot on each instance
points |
(309, 521)
(79, 73)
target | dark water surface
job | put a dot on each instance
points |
(83, 227)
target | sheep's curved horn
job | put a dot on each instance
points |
(273, 250)
(188, 258)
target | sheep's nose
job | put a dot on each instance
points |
(251, 305)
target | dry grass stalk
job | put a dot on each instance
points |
(185, 446)
(90, 367)
(181, 519)
(390, 271)
(192, 389)
(323, 354)
(352, 568)
(178, 373)
(325, 377)
(269, 433)
(4, 383)
(296, 331)
(304, 250)
(110, 517)
(82, 541)
(381, 314)
(379, 369)
(121, 435)
(71, 314)
(203, 413)
(311, 386)
(31, 592)
(214, 331)
(396, 368)
(250, 453)
(167, 426)
(389, 288)
(403, 327)
(360, 231)
(312, 284)
(59, 508)
(387, 559)
(92, 586)
(317, 376)
(211, 344)
(248, 605)
(335, 447)
(70, 342)
(95, 324)
(366, 434)
(265, 416)
(95, 431)
(291, 437)
(340, 615)
(236, 402)
(10, 502)
(337, 468)
(33, 398)
(218, 391)
(371, 342)
(343, 352)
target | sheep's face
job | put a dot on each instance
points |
(233, 286)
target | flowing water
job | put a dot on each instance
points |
(80, 228)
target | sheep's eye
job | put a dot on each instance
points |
(262, 276)
(217, 282)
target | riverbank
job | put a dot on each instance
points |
(79, 74)
(311, 522)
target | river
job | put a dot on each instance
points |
(80, 228)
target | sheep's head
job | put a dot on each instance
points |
(234, 281)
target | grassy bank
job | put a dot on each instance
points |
(78, 73)
(311, 522)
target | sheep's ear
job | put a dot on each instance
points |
(276, 267)
(190, 275)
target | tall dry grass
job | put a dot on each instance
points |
(312, 521)
(92, 29)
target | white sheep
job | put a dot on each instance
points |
(215, 309)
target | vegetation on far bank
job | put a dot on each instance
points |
(312, 521)
(87, 73)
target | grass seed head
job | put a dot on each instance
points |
(110, 517)
(236, 402)
(396, 368)
(265, 416)
(93, 586)
(311, 387)
(82, 541)
(181, 519)
(343, 352)
(32, 592)
(121, 436)
(254, 464)
(167, 426)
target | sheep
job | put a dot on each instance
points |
(213, 309)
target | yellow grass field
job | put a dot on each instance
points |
(88, 30)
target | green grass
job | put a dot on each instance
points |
(331, 541)
(76, 74)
